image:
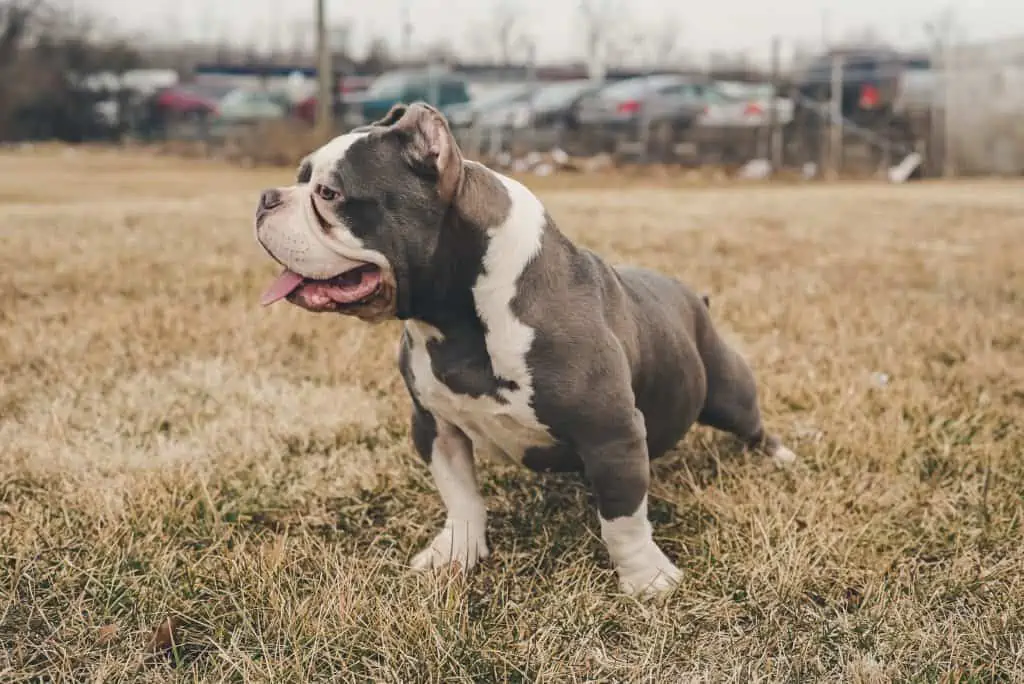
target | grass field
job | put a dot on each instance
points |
(170, 451)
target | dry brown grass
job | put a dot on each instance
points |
(171, 451)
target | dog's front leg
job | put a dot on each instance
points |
(618, 469)
(449, 453)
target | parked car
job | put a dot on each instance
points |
(348, 87)
(668, 104)
(438, 88)
(543, 114)
(523, 105)
(743, 105)
(194, 100)
(872, 82)
(246, 105)
(555, 105)
(735, 123)
(494, 104)
(179, 111)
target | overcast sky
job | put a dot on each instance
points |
(703, 26)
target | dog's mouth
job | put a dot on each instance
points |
(354, 286)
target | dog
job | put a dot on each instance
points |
(517, 342)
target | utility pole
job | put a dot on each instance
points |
(835, 119)
(406, 21)
(949, 105)
(324, 73)
(775, 142)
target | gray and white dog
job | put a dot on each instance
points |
(517, 342)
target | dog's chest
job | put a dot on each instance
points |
(460, 386)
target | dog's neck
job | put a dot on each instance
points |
(442, 292)
(485, 207)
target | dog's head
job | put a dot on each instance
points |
(362, 225)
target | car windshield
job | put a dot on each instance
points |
(720, 95)
(500, 96)
(632, 87)
(215, 91)
(239, 96)
(388, 85)
(559, 93)
(733, 91)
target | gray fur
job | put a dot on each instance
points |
(623, 360)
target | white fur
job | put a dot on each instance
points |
(783, 455)
(643, 568)
(497, 429)
(462, 539)
(293, 233)
(326, 156)
(513, 245)
(510, 428)
(506, 428)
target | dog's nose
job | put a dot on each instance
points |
(270, 199)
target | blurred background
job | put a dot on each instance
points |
(906, 89)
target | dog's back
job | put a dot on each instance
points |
(686, 367)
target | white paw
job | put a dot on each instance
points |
(460, 542)
(648, 574)
(783, 456)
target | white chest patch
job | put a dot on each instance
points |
(506, 428)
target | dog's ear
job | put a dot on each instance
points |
(393, 116)
(305, 171)
(429, 145)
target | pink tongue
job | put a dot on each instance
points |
(346, 293)
(282, 287)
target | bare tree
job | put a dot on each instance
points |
(378, 56)
(15, 21)
(650, 45)
(602, 22)
(45, 55)
(299, 40)
(664, 40)
(941, 30)
(867, 36)
(19, 19)
(510, 36)
(439, 52)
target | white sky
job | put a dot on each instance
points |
(468, 25)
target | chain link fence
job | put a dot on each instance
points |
(960, 112)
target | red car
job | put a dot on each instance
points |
(190, 100)
(347, 85)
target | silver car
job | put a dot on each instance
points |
(659, 108)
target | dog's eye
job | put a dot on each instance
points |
(326, 193)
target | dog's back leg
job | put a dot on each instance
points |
(731, 404)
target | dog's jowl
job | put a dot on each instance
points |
(517, 342)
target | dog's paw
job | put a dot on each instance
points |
(771, 446)
(648, 574)
(460, 544)
(783, 455)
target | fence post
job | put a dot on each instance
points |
(324, 105)
(644, 120)
(475, 142)
(775, 128)
(531, 79)
(949, 169)
(835, 127)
